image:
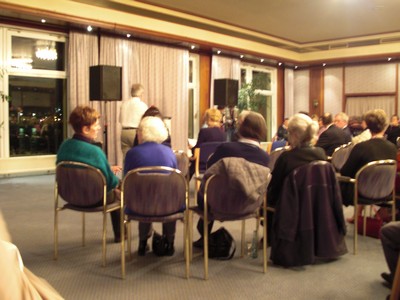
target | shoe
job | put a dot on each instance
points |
(199, 243)
(169, 250)
(388, 278)
(143, 248)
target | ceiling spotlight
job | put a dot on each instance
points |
(241, 56)
(43, 20)
(295, 67)
(324, 64)
(89, 28)
(262, 60)
(389, 58)
(279, 64)
(192, 47)
(219, 52)
(128, 35)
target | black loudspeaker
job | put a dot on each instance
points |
(105, 83)
(226, 92)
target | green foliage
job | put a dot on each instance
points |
(249, 99)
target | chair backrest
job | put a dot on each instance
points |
(80, 184)
(235, 188)
(375, 180)
(183, 161)
(154, 191)
(205, 150)
(273, 156)
(340, 155)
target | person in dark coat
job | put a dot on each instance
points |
(332, 137)
(342, 120)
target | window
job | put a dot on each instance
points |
(193, 87)
(260, 83)
(36, 80)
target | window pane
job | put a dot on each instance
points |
(242, 77)
(191, 113)
(28, 53)
(35, 115)
(262, 80)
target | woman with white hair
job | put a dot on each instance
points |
(302, 135)
(150, 152)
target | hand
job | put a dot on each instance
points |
(116, 169)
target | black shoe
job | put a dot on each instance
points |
(169, 250)
(143, 248)
(199, 243)
(388, 278)
(117, 239)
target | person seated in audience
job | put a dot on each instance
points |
(365, 134)
(150, 152)
(332, 137)
(302, 135)
(355, 125)
(393, 130)
(342, 120)
(373, 149)
(252, 131)
(212, 133)
(84, 148)
(16, 281)
(153, 111)
(390, 239)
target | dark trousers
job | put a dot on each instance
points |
(390, 238)
(200, 223)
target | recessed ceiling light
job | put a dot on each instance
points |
(89, 28)
(279, 64)
(389, 58)
(324, 64)
(128, 35)
(241, 56)
(262, 60)
(295, 67)
(43, 20)
(192, 47)
(219, 52)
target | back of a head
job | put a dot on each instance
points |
(82, 116)
(152, 129)
(302, 131)
(343, 116)
(152, 111)
(253, 127)
(214, 116)
(137, 90)
(326, 119)
(376, 120)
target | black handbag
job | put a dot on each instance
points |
(159, 244)
(221, 245)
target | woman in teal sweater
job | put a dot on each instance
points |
(81, 148)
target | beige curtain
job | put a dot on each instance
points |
(82, 53)
(357, 106)
(162, 70)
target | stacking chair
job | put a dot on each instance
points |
(202, 154)
(395, 293)
(273, 156)
(154, 194)
(226, 200)
(340, 156)
(84, 189)
(374, 184)
(183, 162)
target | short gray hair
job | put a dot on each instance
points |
(153, 129)
(302, 131)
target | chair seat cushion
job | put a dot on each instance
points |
(110, 207)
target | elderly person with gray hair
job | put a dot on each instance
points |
(131, 112)
(150, 152)
(302, 135)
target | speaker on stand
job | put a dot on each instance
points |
(105, 85)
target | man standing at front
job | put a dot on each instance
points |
(131, 112)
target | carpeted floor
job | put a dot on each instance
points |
(27, 205)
